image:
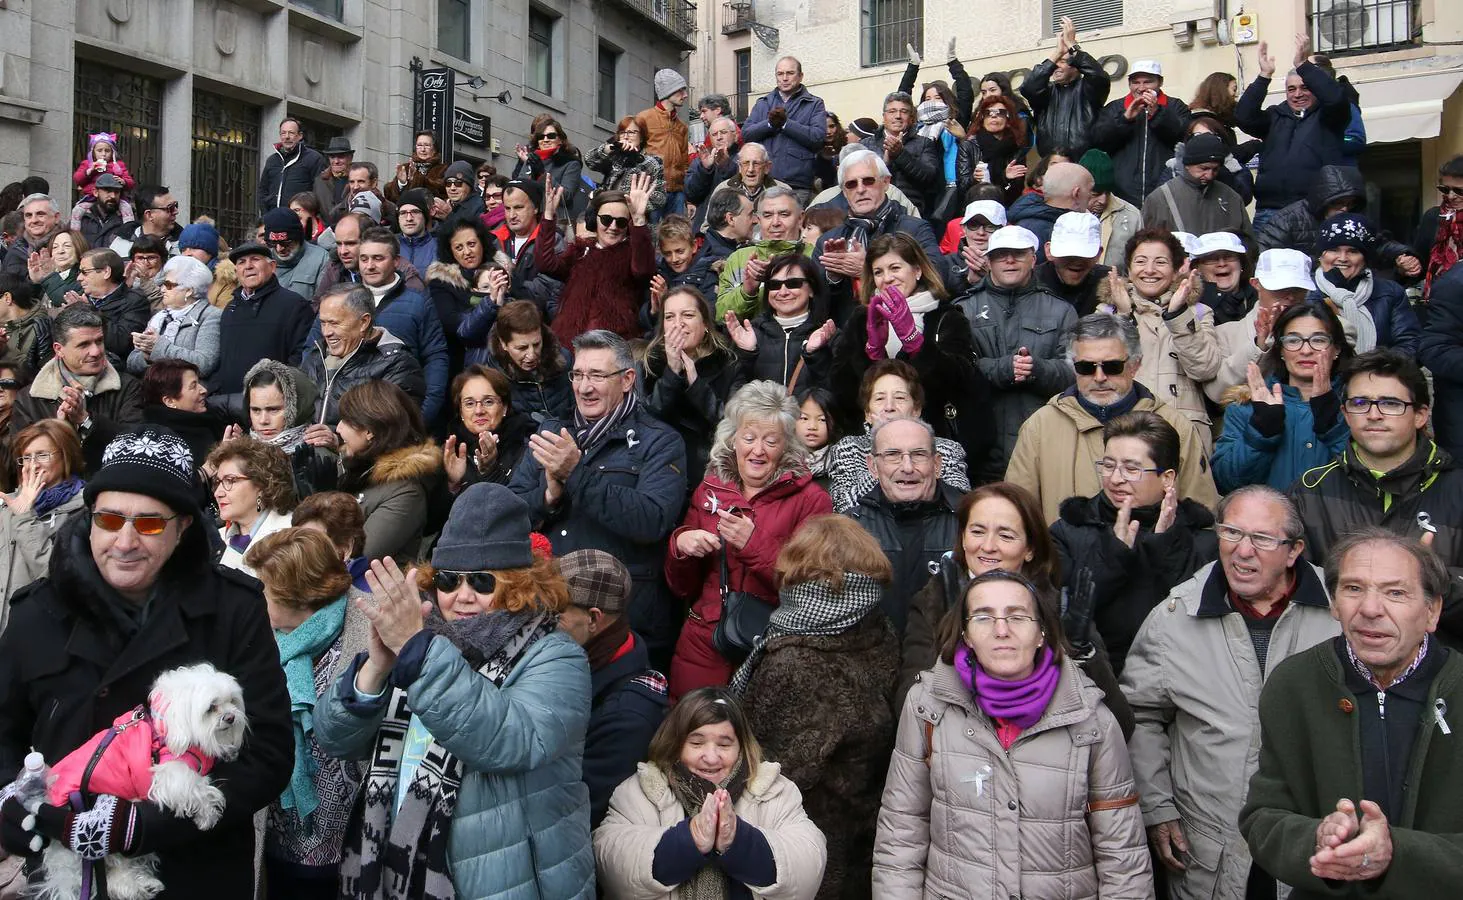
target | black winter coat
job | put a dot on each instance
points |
(71, 662)
(919, 170)
(1140, 149)
(1296, 145)
(272, 324)
(123, 311)
(628, 701)
(914, 536)
(1082, 296)
(539, 398)
(1067, 112)
(283, 178)
(1441, 351)
(567, 171)
(380, 357)
(957, 395)
(693, 410)
(1129, 582)
(1297, 224)
(778, 352)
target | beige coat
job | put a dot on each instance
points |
(1194, 680)
(643, 807)
(1058, 445)
(1120, 221)
(25, 546)
(1054, 817)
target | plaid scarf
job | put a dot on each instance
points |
(587, 434)
(862, 229)
(401, 856)
(813, 608)
(1447, 247)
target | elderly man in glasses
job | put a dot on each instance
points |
(1193, 677)
(612, 479)
(132, 593)
(1059, 443)
(1392, 474)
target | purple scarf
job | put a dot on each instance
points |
(1020, 702)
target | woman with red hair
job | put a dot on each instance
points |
(1000, 133)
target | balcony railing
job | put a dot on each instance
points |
(676, 16)
(1340, 27)
(736, 15)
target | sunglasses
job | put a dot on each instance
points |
(455, 182)
(170, 285)
(148, 525)
(866, 181)
(997, 113)
(9, 384)
(447, 582)
(549, 136)
(777, 284)
(620, 221)
(1447, 191)
(1109, 367)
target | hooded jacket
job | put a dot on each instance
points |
(792, 147)
(72, 660)
(1054, 816)
(1297, 144)
(1002, 321)
(778, 510)
(1059, 444)
(1066, 111)
(314, 467)
(381, 356)
(1139, 149)
(285, 176)
(1297, 225)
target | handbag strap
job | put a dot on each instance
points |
(792, 383)
(725, 575)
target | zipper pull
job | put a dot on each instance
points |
(1440, 707)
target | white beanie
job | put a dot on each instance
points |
(667, 82)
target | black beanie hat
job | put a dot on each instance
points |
(152, 461)
(533, 189)
(1204, 148)
(417, 197)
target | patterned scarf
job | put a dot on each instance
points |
(933, 114)
(883, 220)
(691, 790)
(587, 434)
(297, 651)
(813, 608)
(404, 856)
(1365, 671)
(1447, 248)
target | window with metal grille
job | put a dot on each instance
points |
(121, 103)
(225, 163)
(609, 64)
(887, 26)
(1087, 14)
(452, 27)
(540, 75)
(1339, 27)
(744, 84)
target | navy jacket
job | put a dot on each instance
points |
(793, 146)
(283, 177)
(1397, 325)
(1296, 144)
(1033, 213)
(629, 699)
(271, 325)
(420, 251)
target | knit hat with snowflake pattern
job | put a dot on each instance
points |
(152, 461)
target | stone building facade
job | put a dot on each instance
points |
(195, 89)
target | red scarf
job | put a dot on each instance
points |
(1447, 247)
(1128, 100)
(545, 154)
(1246, 609)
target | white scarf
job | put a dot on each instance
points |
(786, 322)
(933, 114)
(1353, 308)
(378, 293)
(919, 304)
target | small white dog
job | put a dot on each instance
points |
(162, 753)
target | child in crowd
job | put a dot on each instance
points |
(818, 430)
(682, 262)
(101, 157)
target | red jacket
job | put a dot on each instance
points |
(603, 286)
(777, 512)
(85, 178)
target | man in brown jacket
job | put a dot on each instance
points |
(667, 137)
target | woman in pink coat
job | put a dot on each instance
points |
(756, 494)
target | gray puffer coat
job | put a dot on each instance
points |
(1055, 816)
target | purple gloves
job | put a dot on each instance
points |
(878, 330)
(894, 309)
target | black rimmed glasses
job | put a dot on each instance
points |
(1387, 406)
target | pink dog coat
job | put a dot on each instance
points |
(125, 755)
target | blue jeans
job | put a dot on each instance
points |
(1261, 217)
(675, 202)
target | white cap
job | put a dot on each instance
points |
(1217, 242)
(1283, 268)
(1145, 67)
(990, 210)
(1076, 234)
(1011, 237)
(1188, 240)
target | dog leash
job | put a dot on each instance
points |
(89, 868)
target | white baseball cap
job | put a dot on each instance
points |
(1188, 240)
(1076, 234)
(990, 210)
(1012, 237)
(1283, 268)
(1145, 67)
(1218, 242)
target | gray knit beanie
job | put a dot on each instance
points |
(487, 530)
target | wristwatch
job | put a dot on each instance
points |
(1074, 49)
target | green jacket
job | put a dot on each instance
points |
(1309, 760)
(729, 293)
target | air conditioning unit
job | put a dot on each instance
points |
(1341, 25)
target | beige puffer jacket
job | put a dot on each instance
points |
(643, 807)
(1194, 679)
(1054, 817)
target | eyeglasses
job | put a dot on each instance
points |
(983, 228)
(854, 183)
(997, 113)
(171, 208)
(481, 582)
(81, 271)
(1110, 367)
(896, 457)
(794, 284)
(987, 622)
(1131, 471)
(619, 221)
(43, 458)
(595, 378)
(170, 285)
(1232, 535)
(455, 182)
(549, 136)
(1387, 406)
(146, 525)
(1448, 191)
(229, 482)
(278, 244)
(471, 403)
(757, 163)
(1315, 341)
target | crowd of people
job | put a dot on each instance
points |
(1021, 493)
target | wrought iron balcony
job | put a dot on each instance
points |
(677, 17)
(736, 15)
